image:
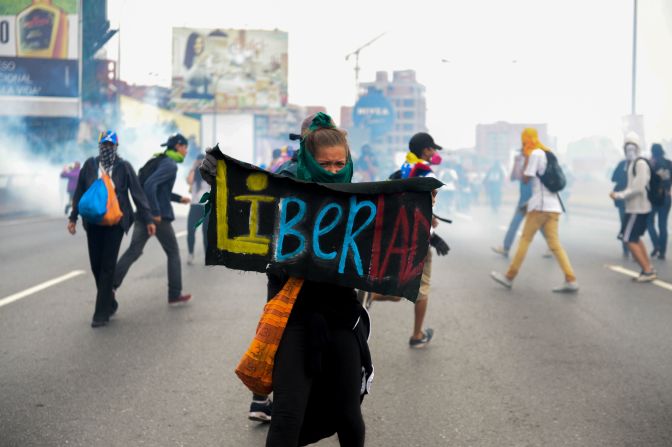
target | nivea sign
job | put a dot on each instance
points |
(374, 111)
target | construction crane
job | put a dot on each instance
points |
(356, 54)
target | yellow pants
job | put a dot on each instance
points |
(534, 221)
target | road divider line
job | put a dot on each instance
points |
(181, 233)
(634, 274)
(45, 285)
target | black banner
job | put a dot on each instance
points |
(371, 236)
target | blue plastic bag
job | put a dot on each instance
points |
(93, 204)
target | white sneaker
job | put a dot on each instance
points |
(190, 259)
(503, 280)
(567, 287)
(646, 277)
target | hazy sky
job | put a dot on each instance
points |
(573, 68)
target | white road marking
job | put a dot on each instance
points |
(52, 282)
(634, 274)
(181, 233)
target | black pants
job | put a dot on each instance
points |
(195, 213)
(104, 243)
(166, 236)
(332, 398)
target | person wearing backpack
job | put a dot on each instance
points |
(157, 178)
(104, 240)
(543, 211)
(662, 168)
(620, 180)
(637, 206)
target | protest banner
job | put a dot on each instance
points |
(371, 236)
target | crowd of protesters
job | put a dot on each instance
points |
(317, 388)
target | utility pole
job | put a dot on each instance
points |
(634, 61)
(356, 54)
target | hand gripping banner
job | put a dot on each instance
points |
(371, 236)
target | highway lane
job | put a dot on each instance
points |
(524, 367)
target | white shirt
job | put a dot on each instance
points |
(635, 194)
(542, 199)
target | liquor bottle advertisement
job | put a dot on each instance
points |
(39, 48)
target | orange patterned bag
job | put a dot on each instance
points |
(256, 367)
(113, 214)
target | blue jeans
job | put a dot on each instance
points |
(513, 227)
(659, 239)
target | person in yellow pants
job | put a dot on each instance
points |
(543, 212)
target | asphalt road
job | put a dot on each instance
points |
(524, 367)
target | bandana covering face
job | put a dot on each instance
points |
(530, 139)
(631, 151)
(107, 156)
(174, 155)
(308, 169)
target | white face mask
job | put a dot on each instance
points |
(631, 152)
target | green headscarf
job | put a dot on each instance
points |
(174, 155)
(308, 169)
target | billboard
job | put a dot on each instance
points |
(374, 112)
(227, 70)
(39, 48)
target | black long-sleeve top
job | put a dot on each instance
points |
(125, 180)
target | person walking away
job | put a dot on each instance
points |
(620, 180)
(662, 167)
(72, 174)
(543, 211)
(104, 241)
(197, 188)
(158, 186)
(524, 194)
(637, 206)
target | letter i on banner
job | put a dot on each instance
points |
(251, 243)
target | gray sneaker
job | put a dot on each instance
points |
(567, 287)
(418, 343)
(500, 278)
(501, 251)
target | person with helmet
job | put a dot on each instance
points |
(104, 241)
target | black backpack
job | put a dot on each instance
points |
(655, 190)
(553, 178)
(148, 169)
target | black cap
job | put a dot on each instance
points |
(174, 140)
(420, 141)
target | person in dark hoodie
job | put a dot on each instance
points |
(104, 241)
(662, 167)
(158, 186)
